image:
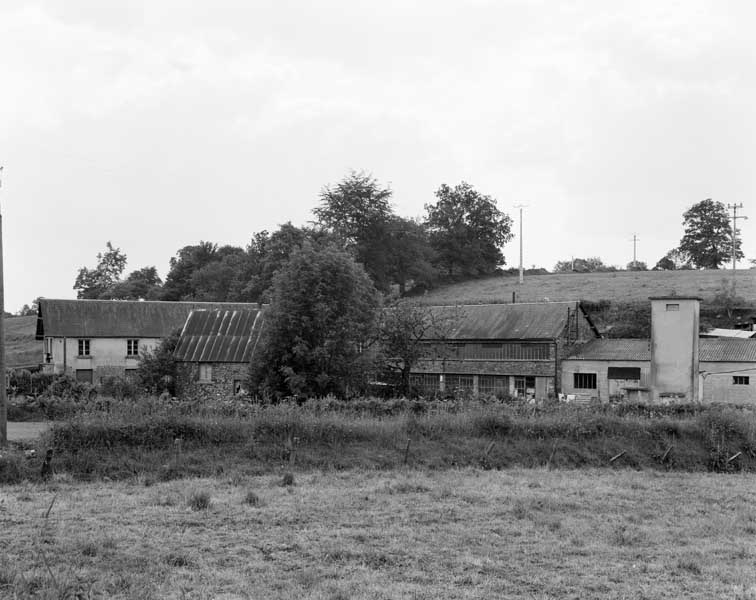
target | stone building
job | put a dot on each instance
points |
(503, 349)
(91, 339)
(214, 353)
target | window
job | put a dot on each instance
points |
(83, 347)
(465, 383)
(205, 372)
(491, 351)
(584, 381)
(132, 347)
(524, 386)
(493, 384)
(425, 383)
(624, 373)
(673, 307)
(741, 380)
(84, 375)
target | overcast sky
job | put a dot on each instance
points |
(162, 123)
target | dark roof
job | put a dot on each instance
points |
(709, 350)
(219, 336)
(525, 321)
(613, 349)
(119, 318)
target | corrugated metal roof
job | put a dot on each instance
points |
(219, 336)
(613, 349)
(526, 321)
(709, 350)
(727, 350)
(729, 333)
(119, 318)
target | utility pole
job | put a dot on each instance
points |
(521, 206)
(735, 217)
(3, 388)
(635, 242)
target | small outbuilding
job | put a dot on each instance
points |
(214, 353)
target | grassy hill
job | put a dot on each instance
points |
(21, 349)
(622, 286)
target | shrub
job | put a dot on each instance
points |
(119, 388)
(199, 500)
(252, 499)
(288, 479)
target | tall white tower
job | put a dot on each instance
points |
(674, 348)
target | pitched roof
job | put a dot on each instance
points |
(219, 336)
(118, 318)
(613, 349)
(709, 350)
(525, 321)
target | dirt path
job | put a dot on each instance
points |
(25, 431)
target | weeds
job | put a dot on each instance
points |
(251, 499)
(199, 500)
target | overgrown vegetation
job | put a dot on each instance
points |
(169, 441)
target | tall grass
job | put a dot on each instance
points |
(175, 440)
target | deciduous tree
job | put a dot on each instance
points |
(93, 283)
(708, 235)
(467, 231)
(320, 321)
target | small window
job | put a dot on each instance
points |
(584, 381)
(205, 372)
(673, 307)
(83, 347)
(741, 380)
(132, 347)
(524, 386)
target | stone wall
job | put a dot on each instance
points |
(220, 387)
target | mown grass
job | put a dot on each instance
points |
(405, 533)
(156, 441)
(620, 286)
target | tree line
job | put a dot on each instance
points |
(460, 237)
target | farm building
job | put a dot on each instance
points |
(214, 352)
(91, 339)
(502, 349)
(676, 364)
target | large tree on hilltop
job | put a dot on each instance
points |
(94, 283)
(467, 231)
(321, 319)
(708, 235)
(358, 210)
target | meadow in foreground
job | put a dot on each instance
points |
(530, 533)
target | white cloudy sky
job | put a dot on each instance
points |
(157, 124)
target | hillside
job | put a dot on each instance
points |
(21, 349)
(621, 286)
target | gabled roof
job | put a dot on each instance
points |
(119, 318)
(709, 350)
(219, 336)
(525, 321)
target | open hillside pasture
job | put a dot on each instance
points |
(406, 533)
(21, 349)
(621, 286)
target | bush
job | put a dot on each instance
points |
(119, 388)
(199, 500)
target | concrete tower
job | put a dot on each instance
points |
(674, 348)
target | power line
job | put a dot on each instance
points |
(735, 218)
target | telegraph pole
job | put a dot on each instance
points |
(3, 387)
(521, 206)
(635, 242)
(735, 217)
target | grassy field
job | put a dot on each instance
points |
(21, 349)
(619, 286)
(401, 534)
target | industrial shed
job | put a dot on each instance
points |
(619, 369)
(502, 349)
(91, 339)
(214, 352)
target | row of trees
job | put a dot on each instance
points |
(461, 236)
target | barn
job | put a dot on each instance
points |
(214, 352)
(502, 349)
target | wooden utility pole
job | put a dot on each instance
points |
(3, 387)
(521, 206)
(635, 245)
(735, 217)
